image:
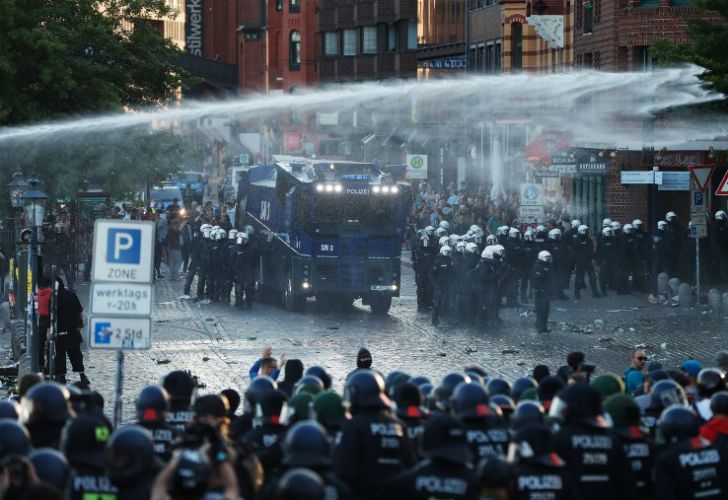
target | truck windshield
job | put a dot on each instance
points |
(369, 211)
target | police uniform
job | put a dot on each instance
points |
(163, 436)
(179, 418)
(442, 274)
(584, 253)
(265, 440)
(608, 268)
(90, 483)
(542, 284)
(640, 452)
(431, 480)
(425, 258)
(692, 469)
(537, 481)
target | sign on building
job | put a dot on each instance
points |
(417, 166)
(675, 181)
(194, 27)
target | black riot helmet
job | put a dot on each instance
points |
(320, 372)
(410, 401)
(532, 443)
(180, 386)
(470, 401)
(211, 405)
(300, 484)
(444, 439)
(130, 455)
(14, 438)
(498, 386)
(152, 404)
(549, 387)
(505, 403)
(578, 403)
(667, 393)
(84, 441)
(51, 466)
(393, 380)
(365, 389)
(9, 409)
(521, 385)
(419, 380)
(47, 403)
(445, 390)
(710, 381)
(494, 473)
(271, 407)
(307, 445)
(527, 412)
(310, 384)
(678, 423)
(719, 403)
(258, 386)
(191, 475)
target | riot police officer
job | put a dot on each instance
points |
(445, 473)
(542, 284)
(374, 445)
(674, 236)
(204, 263)
(628, 259)
(643, 246)
(559, 256)
(196, 248)
(423, 262)
(268, 431)
(411, 411)
(469, 306)
(152, 407)
(690, 467)
(486, 433)
(441, 277)
(132, 465)
(663, 247)
(47, 408)
(229, 249)
(244, 270)
(607, 258)
(592, 454)
(584, 254)
(84, 443)
(486, 276)
(180, 386)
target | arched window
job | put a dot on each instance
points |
(294, 51)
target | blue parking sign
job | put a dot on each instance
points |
(123, 246)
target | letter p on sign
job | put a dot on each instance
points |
(124, 246)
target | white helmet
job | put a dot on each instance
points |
(429, 230)
(575, 223)
(242, 237)
(583, 229)
(460, 247)
(555, 234)
(446, 250)
(528, 235)
(607, 231)
(249, 229)
(219, 234)
(207, 233)
(628, 228)
(616, 225)
(443, 241)
(215, 228)
(720, 215)
(440, 232)
(670, 215)
(471, 248)
(514, 233)
(637, 223)
(661, 224)
(474, 228)
(445, 225)
(606, 222)
(499, 251)
(488, 253)
(490, 240)
(232, 234)
(424, 241)
(540, 228)
(544, 256)
(454, 238)
(502, 231)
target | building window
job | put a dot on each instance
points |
(392, 37)
(331, 43)
(516, 47)
(588, 17)
(279, 5)
(412, 35)
(349, 42)
(294, 51)
(643, 58)
(579, 10)
(294, 6)
(369, 40)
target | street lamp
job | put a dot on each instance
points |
(34, 206)
(17, 188)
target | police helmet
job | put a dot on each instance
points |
(307, 445)
(711, 380)
(429, 230)
(527, 412)
(444, 225)
(583, 229)
(152, 404)
(51, 466)
(549, 387)
(249, 229)
(259, 386)
(309, 383)
(130, 454)
(628, 228)
(491, 240)
(578, 403)
(215, 228)
(443, 241)
(475, 377)
(528, 235)
(14, 438)
(447, 386)
(444, 438)
(505, 403)
(720, 215)
(453, 239)
(446, 251)
(514, 233)
(460, 247)
(205, 227)
(206, 231)
(300, 484)
(608, 232)
(487, 252)
(532, 443)
(365, 389)
(320, 372)
(232, 234)
(84, 440)
(522, 384)
(212, 405)
(440, 232)
(494, 473)
(575, 223)
(298, 408)
(393, 380)
(498, 386)
(180, 386)
(667, 393)
(329, 409)
(499, 251)
(471, 248)
(271, 407)
(555, 234)
(607, 222)
(616, 225)
(544, 256)
(419, 380)
(409, 400)
(47, 403)
(10, 409)
(191, 475)
(540, 228)
(470, 400)
(678, 423)
(719, 403)
(637, 223)
(661, 224)
(241, 237)
(475, 228)
(670, 216)
(622, 411)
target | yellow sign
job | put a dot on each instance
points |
(12, 267)
(30, 281)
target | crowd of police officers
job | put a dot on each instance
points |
(468, 437)
(469, 277)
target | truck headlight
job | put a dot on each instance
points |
(394, 190)
(338, 188)
(319, 187)
(329, 188)
(385, 189)
(376, 189)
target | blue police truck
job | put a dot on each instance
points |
(336, 229)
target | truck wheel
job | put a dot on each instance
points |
(380, 304)
(292, 301)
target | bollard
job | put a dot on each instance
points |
(725, 305)
(662, 283)
(715, 301)
(685, 295)
(674, 286)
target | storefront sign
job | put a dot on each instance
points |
(591, 163)
(675, 181)
(193, 27)
(445, 63)
(564, 162)
(292, 141)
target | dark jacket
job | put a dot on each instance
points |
(293, 372)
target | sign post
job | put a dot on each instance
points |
(700, 178)
(122, 293)
(417, 166)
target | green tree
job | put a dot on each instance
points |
(708, 45)
(60, 58)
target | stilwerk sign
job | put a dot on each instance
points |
(193, 27)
